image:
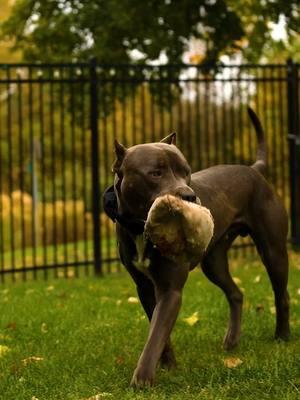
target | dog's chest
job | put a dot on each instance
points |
(141, 261)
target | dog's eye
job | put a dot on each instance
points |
(156, 173)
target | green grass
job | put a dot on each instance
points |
(90, 338)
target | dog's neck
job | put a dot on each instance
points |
(128, 221)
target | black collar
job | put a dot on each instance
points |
(127, 221)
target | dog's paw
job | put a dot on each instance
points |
(142, 377)
(230, 341)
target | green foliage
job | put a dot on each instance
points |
(109, 30)
(86, 338)
(56, 30)
(257, 17)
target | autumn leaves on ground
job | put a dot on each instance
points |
(79, 339)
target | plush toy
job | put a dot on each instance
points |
(181, 230)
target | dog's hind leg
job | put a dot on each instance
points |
(215, 267)
(270, 236)
(275, 259)
(277, 266)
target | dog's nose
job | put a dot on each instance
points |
(189, 197)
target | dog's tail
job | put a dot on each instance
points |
(262, 151)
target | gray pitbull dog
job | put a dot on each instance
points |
(241, 202)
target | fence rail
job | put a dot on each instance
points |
(57, 126)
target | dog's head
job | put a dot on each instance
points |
(147, 171)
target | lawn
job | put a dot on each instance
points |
(78, 338)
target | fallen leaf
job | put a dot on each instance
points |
(236, 280)
(99, 396)
(119, 360)
(298, 291)
(31, 360)
(11, 325)
(44, 328)
(50, 288)
(193, 319)
(232, 362)
(273, 310)
(34, 398)
(257, 279)
(133, 300)
(3, 350)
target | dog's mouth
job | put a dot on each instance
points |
(190, 198)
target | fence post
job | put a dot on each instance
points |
(294, 148)
(95, 167)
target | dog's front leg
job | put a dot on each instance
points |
(169, 283)
(163, 320)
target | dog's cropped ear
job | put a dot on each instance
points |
(120, 151)
(170, 139)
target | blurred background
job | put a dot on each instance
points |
(74, 75)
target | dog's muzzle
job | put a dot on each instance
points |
(186, 193)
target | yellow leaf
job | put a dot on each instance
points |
(236, 280)
(3, 350)
(133, 300)
(99, 396)
(31, 360)
(272, 310)
(44, 328)
(232, 362)
(193, 319)
(50, 288)
(298, 291)
(257, 279)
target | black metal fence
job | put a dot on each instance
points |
(57, 126)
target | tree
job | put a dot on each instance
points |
(56, 30)
(257, 18)
(59, 29)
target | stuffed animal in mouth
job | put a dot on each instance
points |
(181, 230)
